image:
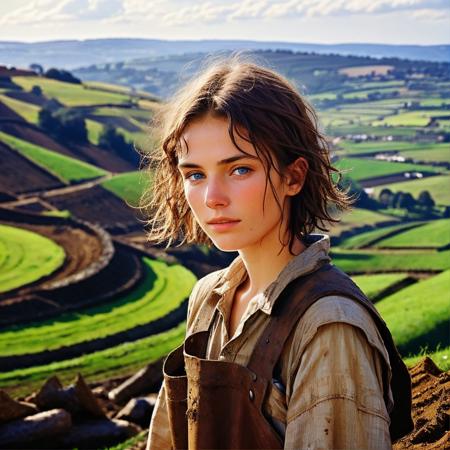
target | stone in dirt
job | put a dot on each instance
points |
(78, 399)
(431, 408)
(11, 409)
(144, 381)
(139, 410)
(98, 434)
(21, 433)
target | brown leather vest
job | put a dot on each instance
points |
(218, 404)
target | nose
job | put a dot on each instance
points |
(216, 195)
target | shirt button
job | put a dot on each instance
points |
(251, 394)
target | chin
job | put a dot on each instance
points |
(226, 245)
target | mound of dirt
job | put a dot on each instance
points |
(431, 408)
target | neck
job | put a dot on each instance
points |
(265, 262)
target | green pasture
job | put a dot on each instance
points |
(403, 132)
(94, 130)
(412, 148)
(433, 234)
(163, 290)
(374, 285)
(28, 111)
(121, 360)
(361, 169)
(142, 115)
(440, 357)
(109, 87)
(438, 186)
(71, 94)
(366, 239)
(376, 261)
(381, 89)
(418, 315)
(358, 217)
(65, 168)
(419, 118)
(128, 186)
(26, 257)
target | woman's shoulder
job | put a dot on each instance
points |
(339, 309)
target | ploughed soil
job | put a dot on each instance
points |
(431, 408)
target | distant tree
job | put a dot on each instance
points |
(36, 90)
(37, 68)
(426, 200)
(61, 75)
(110, 139)
(446, 213)
(63, 125)
(385, 197)
(406, 201)
(53, 105)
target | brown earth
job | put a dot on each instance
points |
(19, 175)
(101, 207)
(431, 408)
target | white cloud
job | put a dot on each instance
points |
(181, 12)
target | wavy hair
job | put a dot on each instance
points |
(278, 122)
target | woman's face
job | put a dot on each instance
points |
(226, 189)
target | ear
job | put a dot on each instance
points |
(296, 175)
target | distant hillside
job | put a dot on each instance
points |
(312, 72)
(74, 53)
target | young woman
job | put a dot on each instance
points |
(282, 350)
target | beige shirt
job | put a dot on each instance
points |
(330, 389)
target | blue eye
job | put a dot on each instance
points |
(242, 170)
(194, 176)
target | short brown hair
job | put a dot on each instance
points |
(280, 124)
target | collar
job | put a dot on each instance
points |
(315, 254)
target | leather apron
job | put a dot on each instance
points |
(214, 404)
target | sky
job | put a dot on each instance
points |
(422, 22)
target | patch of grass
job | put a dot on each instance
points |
(358, 217)
(26, 257)
(416, 318)
(365, 239)
(128, 186)
(373, 285)
(376, 261)
(438, 187)
(383, 146)
(122, 360)
(163, 290)
(28, 111)
(361, 169)
(433, 234)
(438, 153)
(410, 118)
(70, 94)
(440, 357)
(65, 168)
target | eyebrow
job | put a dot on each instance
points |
(222, 162)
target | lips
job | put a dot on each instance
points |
(222, 220)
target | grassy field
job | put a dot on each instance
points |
(354, 148)
(164, 289)
(361, 169)
(437, 153)
(375, 261)
(128, 186)
(373, 285)
(417, 319)
(70, 94)
(438, 187)
(365, 239)
(124, 359)
(409, 118)
(440, 357)
(358, 217)
(63, 167)
(433, 234)
(28, 111)
(26, 257)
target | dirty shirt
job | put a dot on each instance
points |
(328, 392)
